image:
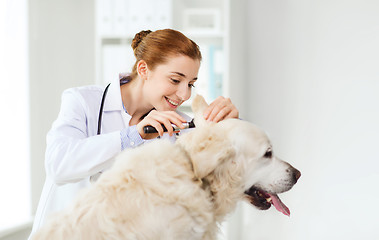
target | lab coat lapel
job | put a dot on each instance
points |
(113, 101)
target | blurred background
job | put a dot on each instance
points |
(306, 71)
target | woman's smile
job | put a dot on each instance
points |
(172, 103)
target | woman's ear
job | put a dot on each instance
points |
(142, 69)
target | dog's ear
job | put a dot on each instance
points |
(198, 107)
(207, 146)
(207, 149)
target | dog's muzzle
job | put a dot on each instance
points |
(263, 200)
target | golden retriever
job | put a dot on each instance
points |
(180, 190)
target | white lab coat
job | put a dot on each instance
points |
(74, 151)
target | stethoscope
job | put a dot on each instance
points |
(101, 110)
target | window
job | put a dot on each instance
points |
(14, 120)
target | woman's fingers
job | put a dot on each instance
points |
(169, 118)
(156, 119)
(219, 109)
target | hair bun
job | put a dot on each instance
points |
(139, 37)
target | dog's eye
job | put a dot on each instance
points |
(268, 153)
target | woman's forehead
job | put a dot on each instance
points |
(180, 65)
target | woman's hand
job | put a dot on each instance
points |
(156, 119)
(220, 109)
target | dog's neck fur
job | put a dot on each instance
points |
(188, 157)
(224, 195)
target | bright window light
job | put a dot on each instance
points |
(14, 120)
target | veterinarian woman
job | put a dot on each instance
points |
(165, 71)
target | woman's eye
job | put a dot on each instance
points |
(175, 80)
(191, 85)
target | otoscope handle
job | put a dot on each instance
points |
(151, 129)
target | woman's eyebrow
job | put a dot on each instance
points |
(183, 75)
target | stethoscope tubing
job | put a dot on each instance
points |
(101, 110)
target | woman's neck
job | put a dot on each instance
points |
(133, 100)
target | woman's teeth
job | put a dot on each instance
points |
(172, 102)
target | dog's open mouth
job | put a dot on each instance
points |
(263, 200)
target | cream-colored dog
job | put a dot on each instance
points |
(178, 191)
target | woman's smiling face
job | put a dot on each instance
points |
(170, 84)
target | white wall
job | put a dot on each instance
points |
(314, 87)
(238, 74)
(14, 121)
(62, 51)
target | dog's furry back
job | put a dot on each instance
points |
(150, 193)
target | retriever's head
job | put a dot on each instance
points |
(237, 160)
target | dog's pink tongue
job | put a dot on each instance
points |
(279, 205)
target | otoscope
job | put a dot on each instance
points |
(151, 129)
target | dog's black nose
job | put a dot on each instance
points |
(296, 174)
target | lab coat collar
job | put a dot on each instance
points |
(113, 101)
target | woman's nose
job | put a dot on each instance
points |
(184, 92)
